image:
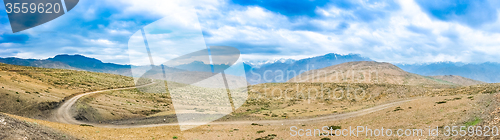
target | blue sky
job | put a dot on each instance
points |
(402, 31)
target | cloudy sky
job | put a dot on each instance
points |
(402, 31)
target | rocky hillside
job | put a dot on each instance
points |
(365, 72)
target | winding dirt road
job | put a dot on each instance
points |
(63, 115)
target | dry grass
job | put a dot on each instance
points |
(272, 101)
(424, 112)
(31, 92)
(302, 100)
(124, 104)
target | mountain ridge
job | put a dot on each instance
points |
(486, 72)
(269, 73)
(73, 62)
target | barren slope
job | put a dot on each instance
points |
(33, 92)
(459, 80)
(365, 72)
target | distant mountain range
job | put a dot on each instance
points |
(74, 62)
(486, 72)
(92, 64)
(258, 64)
(280, 70)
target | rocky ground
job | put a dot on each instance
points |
(11, 128)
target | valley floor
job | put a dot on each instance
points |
(421, 113)
(29, 94)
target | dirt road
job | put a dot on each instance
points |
(63, 115)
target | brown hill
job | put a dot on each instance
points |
(365, 72)
(33, 92)
(459, 80)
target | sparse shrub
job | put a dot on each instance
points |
(474, 122)
(175, 137)
(335, 127)
(261, 131)
(398, 109)
(87, 125)
(441, 102)
(268, 137)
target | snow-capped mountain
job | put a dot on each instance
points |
(258, 64)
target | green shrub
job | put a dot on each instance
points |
(335, 127)
(441, 102)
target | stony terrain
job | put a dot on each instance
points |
(11, 128)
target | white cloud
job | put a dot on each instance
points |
(267, 34)
(102, 42)
(6, 45)
(406, 35)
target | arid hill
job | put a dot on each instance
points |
(459, 80)
(33, 92)
(366, 72)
